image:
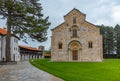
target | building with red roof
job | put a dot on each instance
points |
(27, 52)
(14, 49)
(18, 52)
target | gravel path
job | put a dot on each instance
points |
(24, 71)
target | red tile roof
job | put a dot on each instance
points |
(29, 48)
(3, 31)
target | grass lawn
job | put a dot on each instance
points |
(108, 70)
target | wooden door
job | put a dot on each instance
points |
(75, 54)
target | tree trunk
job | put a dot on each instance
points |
(8, 53)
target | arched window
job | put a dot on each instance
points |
(90, 45)
(74, 20)
(60, 46)
(74, 32)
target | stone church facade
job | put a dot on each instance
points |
(76, 39)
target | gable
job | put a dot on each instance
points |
(89, 28)
(90, 25)
(75, 13)
(59, 27)
(80, 20)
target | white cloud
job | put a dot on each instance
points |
(105, 1)
(2, 23)
(98, 12)
(115, 14)
(103, 21)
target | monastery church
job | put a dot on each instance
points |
(76, 39)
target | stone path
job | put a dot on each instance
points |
(24, 71)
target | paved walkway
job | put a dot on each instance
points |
(24, 71)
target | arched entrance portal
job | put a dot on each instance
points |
(74, 51)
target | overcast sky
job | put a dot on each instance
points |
(98, 12)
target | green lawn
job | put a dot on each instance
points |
(108, 70)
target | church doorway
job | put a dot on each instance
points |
(74, 55)
(74, 51)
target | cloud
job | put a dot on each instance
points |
(101, 13)
(103, 21)
(97, 12)
(115, 14)
(105, 1)
(2, 23)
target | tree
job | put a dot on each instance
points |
(103, 33)
(117, 38)
(108, 38)
(24, 18)
(47, 51)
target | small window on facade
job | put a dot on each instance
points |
(74, 20)
(74, 32)
(90, 45)
(60, 46)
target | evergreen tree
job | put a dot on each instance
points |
(117, 38)
(23, 17)
(108, 39)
